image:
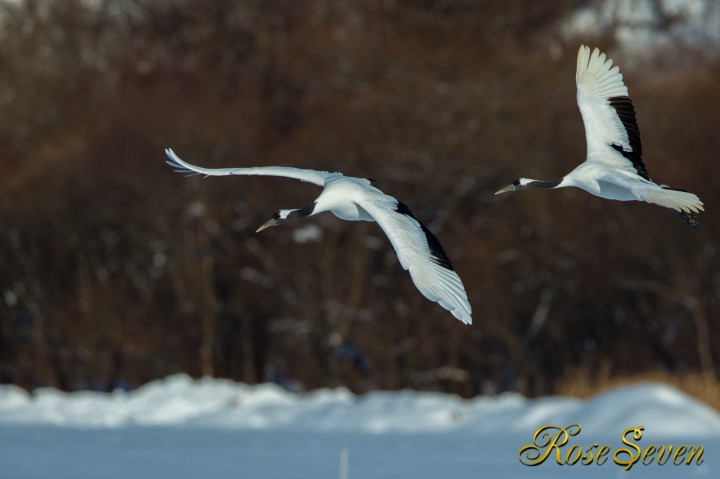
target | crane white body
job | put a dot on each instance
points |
(355, 199)
(613, 168)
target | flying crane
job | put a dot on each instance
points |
(613, 169)
(355, 199)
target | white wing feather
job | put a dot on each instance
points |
(598, 81)
(435, 282)
(319, 178)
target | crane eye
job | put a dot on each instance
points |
(276, 215)
(516, 182)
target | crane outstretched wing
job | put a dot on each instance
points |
(611, 129)
(319, 178)
(420, 252)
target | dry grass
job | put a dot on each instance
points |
(578, 383)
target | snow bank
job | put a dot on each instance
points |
(180, 401)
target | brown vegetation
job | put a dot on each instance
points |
(116, 271)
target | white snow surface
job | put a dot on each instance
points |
(180, 427)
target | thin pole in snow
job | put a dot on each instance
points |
(344, 462)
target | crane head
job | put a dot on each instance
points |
(278, 218)
(518, 184)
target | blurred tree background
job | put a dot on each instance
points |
(115, 271)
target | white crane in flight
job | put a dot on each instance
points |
(613, 169)
(355, 199)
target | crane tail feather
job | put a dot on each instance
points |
(685, 203)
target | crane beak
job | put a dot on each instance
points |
(506, 189)
(270, 223)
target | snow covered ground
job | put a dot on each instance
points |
(183, 428)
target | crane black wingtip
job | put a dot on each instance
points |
(690, 219)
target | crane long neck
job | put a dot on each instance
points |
(303, 212)
(544, 183)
